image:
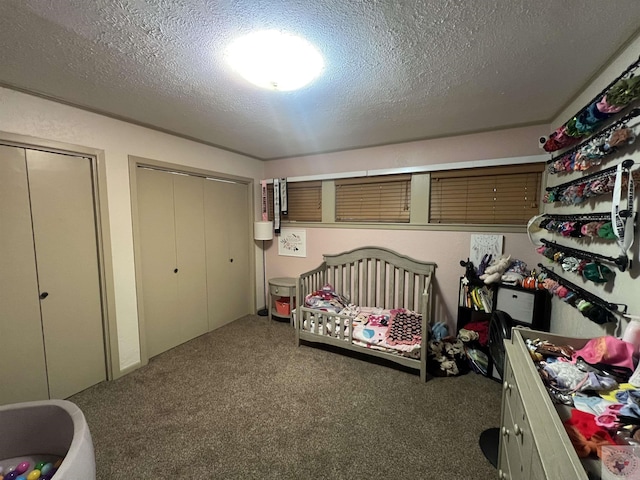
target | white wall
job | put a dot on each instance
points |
(446, 248)
(625, 289)
(28, 115)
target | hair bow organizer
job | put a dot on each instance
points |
(616, 96)
(591, 306)
(591, 152)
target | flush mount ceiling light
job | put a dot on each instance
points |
(275, 60)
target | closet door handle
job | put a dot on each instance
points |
(175, 270)
(44, 295)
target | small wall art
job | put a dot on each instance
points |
(292, 242)
(485, 245)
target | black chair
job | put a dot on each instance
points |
(499, 329)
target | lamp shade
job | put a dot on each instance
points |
(263, 230)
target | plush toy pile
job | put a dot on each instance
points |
(493, 273)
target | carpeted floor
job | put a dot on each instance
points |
(243, 402)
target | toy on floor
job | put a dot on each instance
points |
(43, 470)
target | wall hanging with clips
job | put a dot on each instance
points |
(589, 225)
(616, 96)
(590, 306)
(592, 151)
(588, 264)
(598, 183)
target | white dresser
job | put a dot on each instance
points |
(533, 441)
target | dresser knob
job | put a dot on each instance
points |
(516, 429)
(506, 386)
(505, 432)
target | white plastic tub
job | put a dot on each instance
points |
(44, 429)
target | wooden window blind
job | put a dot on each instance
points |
(384, 199)
(507, 195)
(304, 202)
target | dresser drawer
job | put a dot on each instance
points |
(282, 291)
(534, 444)
(518, 304)
(516, 439)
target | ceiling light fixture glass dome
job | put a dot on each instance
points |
(275, 60)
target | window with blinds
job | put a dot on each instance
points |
(384, 199)
(492, 195)
(304, 202)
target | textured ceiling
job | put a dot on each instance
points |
(395, 71)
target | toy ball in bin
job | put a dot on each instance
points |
(283, 306)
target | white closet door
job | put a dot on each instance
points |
(64, 228)
(172, 247)
(239, 275)
(190, 252)
(227, 236)
(156, 222)
(22, 362)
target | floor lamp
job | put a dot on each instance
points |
(263, 231)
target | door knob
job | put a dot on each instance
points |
(44, 295)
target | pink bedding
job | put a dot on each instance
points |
(398, 331)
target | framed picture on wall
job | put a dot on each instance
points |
(292, 242)
(485, 245)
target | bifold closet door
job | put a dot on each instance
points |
(171, 224)
(64, 232)
(51, 325)
(227, 214)
(22, 363)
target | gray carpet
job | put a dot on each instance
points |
(243, 402)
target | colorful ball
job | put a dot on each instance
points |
(22, 467)
(34, 474)
(46, 468)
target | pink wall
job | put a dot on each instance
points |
(446, 248)
(514, 142)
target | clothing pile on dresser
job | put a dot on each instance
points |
(598, 383)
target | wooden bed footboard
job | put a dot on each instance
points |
(368, 276)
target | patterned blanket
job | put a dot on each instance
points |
(398, 330)
(374, 328)
(405, 328)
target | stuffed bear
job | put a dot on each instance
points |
(493, 272)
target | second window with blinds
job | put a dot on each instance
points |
(382, 199)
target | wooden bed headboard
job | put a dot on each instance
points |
(376, 276)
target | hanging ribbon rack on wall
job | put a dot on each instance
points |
(580, 292)
(598, 183)
(568, 134)
(627, 164)
(593, 143)
(621, 262)
(605, 216)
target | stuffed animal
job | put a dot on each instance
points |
(516, 273)
(493, 273)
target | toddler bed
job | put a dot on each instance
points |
(370, 300)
